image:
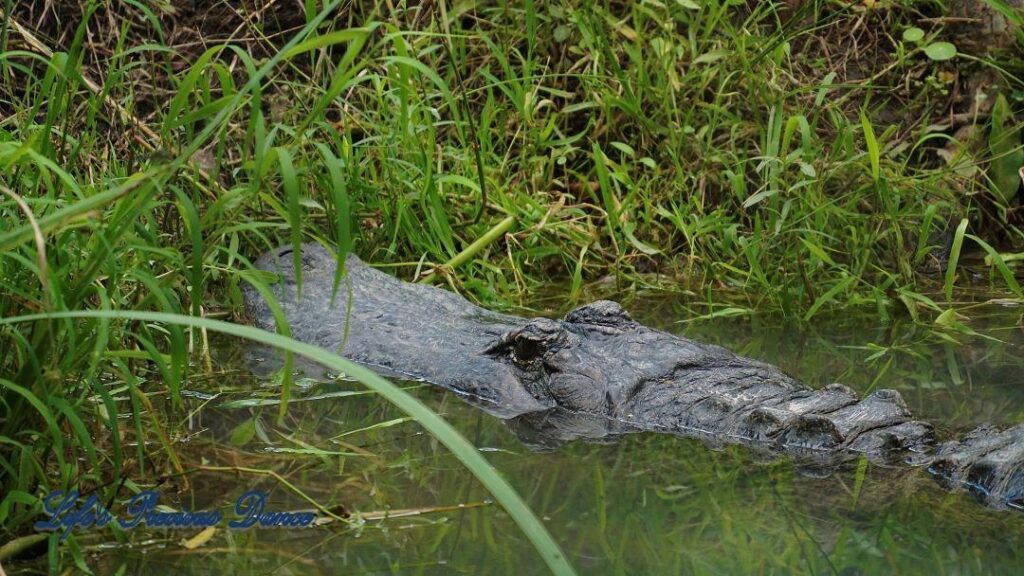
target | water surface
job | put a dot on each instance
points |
(644, 504)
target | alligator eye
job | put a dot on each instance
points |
(527, 343)
(526, 349)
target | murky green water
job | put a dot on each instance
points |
(648, 504)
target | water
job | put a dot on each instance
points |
(646, 504)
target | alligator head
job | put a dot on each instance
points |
(601, 361)
(405, 330)
(596, 359)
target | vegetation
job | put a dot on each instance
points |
(795, 157)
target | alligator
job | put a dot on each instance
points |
(597, 373)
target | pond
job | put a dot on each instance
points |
(640, 504)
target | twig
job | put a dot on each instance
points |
(409, 512)
(261, 472)
(471, 250)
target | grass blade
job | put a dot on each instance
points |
(954, 259)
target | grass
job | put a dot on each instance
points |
(147, 154)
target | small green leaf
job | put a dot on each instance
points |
(710, 57)
(947, 318)
(325, 40)
(561, 33)
(624, 148)
(758, 197)
(828, 296)
(940, 51)
(818, 251)
(913, 34)
(243, 433)
(994, 258)
(645, 248)
(874, 152)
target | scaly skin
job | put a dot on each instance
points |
(597, 373)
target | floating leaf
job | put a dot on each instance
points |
(728, 312)
(1006, 257)
(253, 402)
(914, 34)
(940, 51)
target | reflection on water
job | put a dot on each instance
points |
(617, 504)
